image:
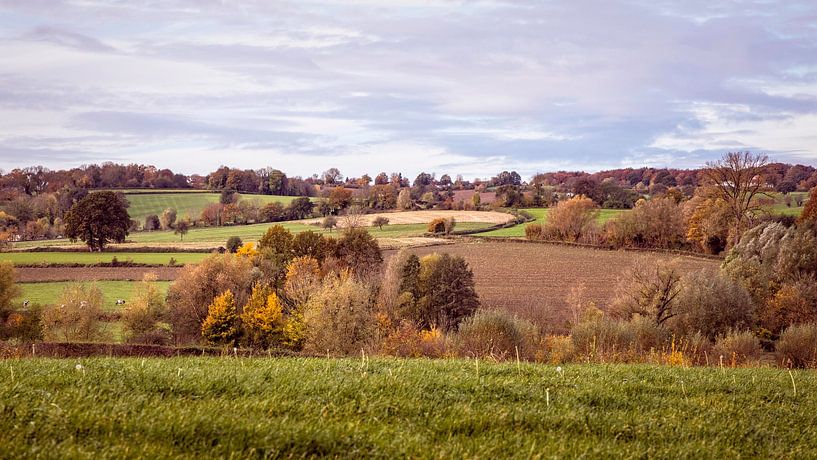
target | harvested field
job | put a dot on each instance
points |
(533, 280)
(25, 275)
(424, 217)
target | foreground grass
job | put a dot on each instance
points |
(47, 293)
(288, 407)
(87, 258)
(540, 214)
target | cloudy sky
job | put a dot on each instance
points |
(470, 87)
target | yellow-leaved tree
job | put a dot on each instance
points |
(221, 324)
(263, 317)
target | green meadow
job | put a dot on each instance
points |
(399, 408)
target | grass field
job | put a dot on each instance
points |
(48, 292)
(218, 235)
(518, 231)
(185, 203)
(393, 408)
(87, 258)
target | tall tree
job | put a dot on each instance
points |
(737, 179)
(98, 219)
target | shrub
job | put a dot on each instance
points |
(797, 346)
(611, 340)
(233, 244)
(329, 222)
(809, 213)
(437, 225)
(75, 315)
(559, 348)
(708, 222)
(262, 318)
(8, 289)
(247, 250)
(275, 250)
(144, 310)
(794, 303)
(24, 325)
(152, 222)
(339, 317)
(392, 282)
(737, 347)
(496, 334)
(197, 286)
(221, 324)
(380, 221)
(711, 304)
(571, 219)
(534, 231)
(657, 223)
(168, 218)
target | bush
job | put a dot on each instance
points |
(794, 303)
(648, 289)
(612, 340)
(233, 244)
(496, 334)
(657, 223)
(559, 348)
(262, 318)
(711, 304)
(311, 244)
(221, 325)
(380, 221)
(571, 219)
(197, 286)
(24, 325)
(339, 317)
(8, 289)
(737, 348)
(75, 316)
(534, 232)
(144, 310)
(797, 346)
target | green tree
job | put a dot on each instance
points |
(97, 219)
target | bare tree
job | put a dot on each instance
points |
(737, 178)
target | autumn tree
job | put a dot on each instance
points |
(8, 289)
(262, 317)
(810, 209)
(144, 310)
(380, 221)
(737, 179)
(221, 325)
(98, 219)
(571, 219)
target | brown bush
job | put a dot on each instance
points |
(571, 219)
(711, 304)
(441, 225)
(648, 289)
(657, 223)
(797, 346)
(303, 278)
(144, 310)
(608, 340)
(794, 303)
(498, 335)
(197, 286)
(359, 252)
(737, 348)
(534, 231)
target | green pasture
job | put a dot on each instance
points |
(89, 258)
(518, 231)
(189, 204)
(228, 407)
(47, 293)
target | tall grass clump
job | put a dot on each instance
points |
(797, 346)
(496, 334)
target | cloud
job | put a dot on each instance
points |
(456, 86)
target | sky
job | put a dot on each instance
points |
(460, 87)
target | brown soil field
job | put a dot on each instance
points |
(424, 217)
(533, 280)
(95, 273)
